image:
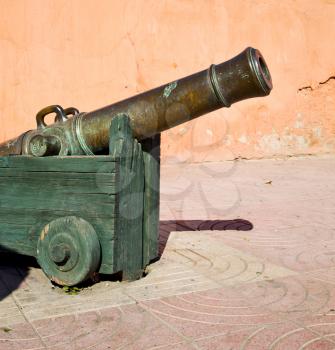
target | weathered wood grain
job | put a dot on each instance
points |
(68, 250)
(35, 191)
(151, 157)
(129, 198)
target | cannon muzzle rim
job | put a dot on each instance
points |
(260, 68)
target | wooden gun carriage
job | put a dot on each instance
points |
(84, 214)
(82, 195)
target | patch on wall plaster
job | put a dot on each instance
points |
(169, 89)
(275, 143)
(243, 139)
(301, 141)
(209, 132)
(298, 124)
(183, 130)
(270, 142)
(229, 140)
(317, 132)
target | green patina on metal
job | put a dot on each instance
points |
(169, 89)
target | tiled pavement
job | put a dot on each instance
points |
(248, 262)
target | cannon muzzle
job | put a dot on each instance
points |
(242, 77)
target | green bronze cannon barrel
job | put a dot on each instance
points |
(244, 76)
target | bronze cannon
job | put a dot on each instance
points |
(82, 194)
(151, 112)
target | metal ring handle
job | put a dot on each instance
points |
(60, 115)
(71, 111)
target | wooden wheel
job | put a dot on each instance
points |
(68, 250)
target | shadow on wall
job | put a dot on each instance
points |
(168, 226)
(14, 268)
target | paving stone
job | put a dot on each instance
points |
(281, 337)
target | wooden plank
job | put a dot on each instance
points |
(129, 199)
(76, 164)
(83, 202)
(62, 183)
(17, 246)
(68, 175)
(151, 156)
(22, 238)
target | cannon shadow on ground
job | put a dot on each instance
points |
(168, 226)
(14, 268)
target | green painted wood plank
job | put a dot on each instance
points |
(83, 202)
(77, 164)
(151, 156)
(129, 199)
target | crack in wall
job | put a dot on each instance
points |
(311, 88)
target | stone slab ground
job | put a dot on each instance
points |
(247, 262)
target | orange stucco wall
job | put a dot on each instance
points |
(90, 53)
